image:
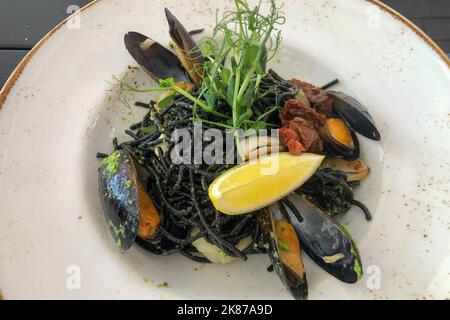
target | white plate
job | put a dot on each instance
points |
(61, 108)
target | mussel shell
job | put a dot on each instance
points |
(355, 114)
(334, 149)
(119, 196)
(157, 61)
(338, 136)
(355, 170)
(296, 286)
(324, 240)
(187, 50)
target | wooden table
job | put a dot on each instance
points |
(24, 22)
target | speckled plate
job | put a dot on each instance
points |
(61, 106)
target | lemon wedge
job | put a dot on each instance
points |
(261, 182)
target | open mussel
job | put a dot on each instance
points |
(285, 253)
(157, 61)
(339, 139)
(128, 209)
(355, 170)
(349, 116)
(186, 67)
(186, 49)
(323, 239)
(354, 114)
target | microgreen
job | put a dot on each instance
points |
(236, 55)
(236, 65)
(283, 245)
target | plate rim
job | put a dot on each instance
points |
(62, 24)
(15, 75)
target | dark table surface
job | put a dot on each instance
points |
(24, 22)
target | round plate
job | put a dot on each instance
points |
(62, 105)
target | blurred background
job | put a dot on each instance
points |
(24, 22)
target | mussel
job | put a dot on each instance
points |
(355, 170)
(285, 253)
(187, 50)
(339, 139)
(336, 131)
(354, 114)
(323, 239)
(157, 61)
(349, 116)
(128, 209)
(160, 63)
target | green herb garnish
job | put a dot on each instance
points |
(112, 163)
(236, 65)
(357, 266)
(358, 270)
(148, 130)
(283, 245)
(163, 285)
(236, 57)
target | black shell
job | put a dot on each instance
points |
(187, 50)
(355, 114)
(323, 238)
(159, 62)
(297, 287)
(178, 32)
(118, 193)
